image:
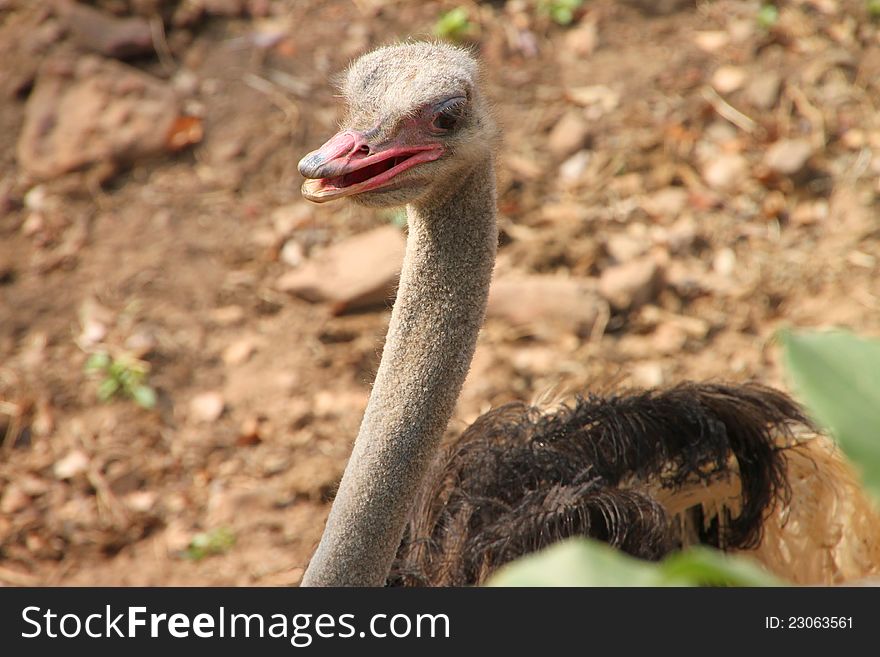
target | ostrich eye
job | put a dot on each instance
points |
(448, 114)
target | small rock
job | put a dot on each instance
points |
(140, 343)
(583, 39)
(574, 167)
(539, 303)
(95, 112)
(36, 198)
(666, 203)
(522, 167)
(726, 172)
(359, 272)
(631, 284)
(287, 382)
(238, 352)
(292, 253)
(647, 374)
(711, 41)
(569, 135)
(728, 79)
(227, 315)
(668, 339)
(32, 486)
(763, 90)
(810, 212)
(854, 139)
(626, 247)
(185, 83)
(249, 433)
(44, 419)
(104, 33)
(71, 465)
(33, 224)
(140, 501)
(681, 234)
(264, 238)
(724, 262)
(788, 156)
(339, 403)
(207, 406)
(14, 499)
(597, 99)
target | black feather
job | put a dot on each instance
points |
(518, 480)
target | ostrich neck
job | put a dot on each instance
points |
(444, 285)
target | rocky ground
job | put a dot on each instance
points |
(675, 186)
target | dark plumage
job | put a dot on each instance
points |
(518, 479)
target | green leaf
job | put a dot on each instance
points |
(577, 562)
(707, 567)
(98, 362)
(768, 16)
(837, 375)
(107, 388)
(583, 562)
(454, 24)
(205, 544)
(145, 396)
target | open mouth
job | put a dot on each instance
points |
(370, 173)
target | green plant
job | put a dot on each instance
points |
(205, 544)
(454, 25)
(837, 375)
(873, 7)
(123, 376)
(561, 11)
(767, 16)
(585, 562)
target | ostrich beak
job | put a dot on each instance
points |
(347, 165)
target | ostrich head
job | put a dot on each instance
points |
(415, 125)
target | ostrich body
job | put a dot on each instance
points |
(647, 472)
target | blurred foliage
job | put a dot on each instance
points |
(873, 7)
(837, 375)
(454, 25)
(205, 544)
(585, 562)
(123, 376)
(561, 11)
(768, 15)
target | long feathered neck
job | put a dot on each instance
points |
(440, 305)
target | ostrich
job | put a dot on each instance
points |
(647, 472)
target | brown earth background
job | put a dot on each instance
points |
(678, 181)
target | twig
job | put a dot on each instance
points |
(727, 111)
(160, 44)
(599, 326)
(106, 499)
(811, 112)
(14, 426)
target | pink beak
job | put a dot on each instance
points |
(348, 165)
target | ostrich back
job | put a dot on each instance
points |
(649, 473)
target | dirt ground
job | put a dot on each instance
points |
(714, 178)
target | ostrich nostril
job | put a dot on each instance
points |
(364, 149)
